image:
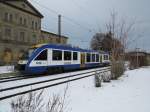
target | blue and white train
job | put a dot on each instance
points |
(49, 58)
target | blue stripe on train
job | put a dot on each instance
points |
(89, 65)
(42, 69)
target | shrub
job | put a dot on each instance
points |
(34, 102)
(117, 69)
(98, 80)
(106, 77)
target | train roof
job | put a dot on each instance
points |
(63, 47)
(104, 52)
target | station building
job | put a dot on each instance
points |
(138, 59)
(20, 28)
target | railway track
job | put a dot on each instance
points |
(19, 89)
(14, 78)
(22, 77)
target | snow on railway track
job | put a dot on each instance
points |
(13, 88)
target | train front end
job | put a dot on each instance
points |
(22, 63)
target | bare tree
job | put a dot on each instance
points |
(33, 102)
(58, 103)
(116, 41)
(96, 42)
(103, 41)
(120, 30)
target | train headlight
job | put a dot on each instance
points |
(22, 62)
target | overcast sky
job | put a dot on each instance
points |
(83, 18)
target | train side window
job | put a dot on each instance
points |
(88, 57)
(42, 55)
(67, 55)
(75, 56)
(93, 57)
(105, 57)
(57, 55)
(97, 57)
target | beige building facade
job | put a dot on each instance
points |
(52, 38)
(20, 28)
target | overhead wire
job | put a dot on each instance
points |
(49, 10)
(65, 17)
(85, 11)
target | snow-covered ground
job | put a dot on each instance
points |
(6, 69)
(131, 93)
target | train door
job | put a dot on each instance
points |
(82, 60)
(101, 58)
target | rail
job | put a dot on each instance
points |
(54, 82)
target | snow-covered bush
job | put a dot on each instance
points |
(106, 76)
(98, 79)
(127, 65)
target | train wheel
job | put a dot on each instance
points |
(50, 71)
(62, 69)
(59, 70)
(54, 70)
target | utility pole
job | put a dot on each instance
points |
(59, 28)
(137, 57)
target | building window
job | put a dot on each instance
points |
(34, 38)
(32, 25)
(25, 22)
(36, 25)
(22, 36)
(57, 55)
(20, 20)
(8, 17)
(67, 55)
(8, 32)
(11, 18)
